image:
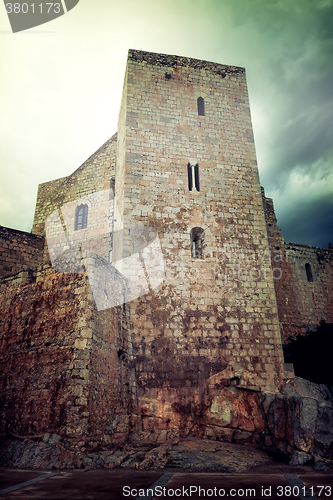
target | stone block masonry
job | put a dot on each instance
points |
(195, 354)
(303, 279)
(215, 318)
(305, 292)
(19, 250)
(96, 174)
(61, 372)
(214, 321)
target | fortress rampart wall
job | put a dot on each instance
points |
(61, 370)
(19, 250)
(208, 337)
(96, 174)
(303, 280)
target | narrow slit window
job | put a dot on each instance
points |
(196, 177)
(309, 273)
(201, 106)
(81, 217)
(190, 177)
(197, 241)
(193, 172)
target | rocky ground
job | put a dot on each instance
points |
(189, 454)
(299, 421)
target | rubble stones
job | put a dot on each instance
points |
(323, 465)
(191, 454)
(300, 458)
(301, 304)
(302, 416)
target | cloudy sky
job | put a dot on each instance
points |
(61, 83)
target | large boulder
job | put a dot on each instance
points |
(236, 408)
(298, 386)
(297, 421)
(302, 415)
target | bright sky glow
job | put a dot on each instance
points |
(61, 83)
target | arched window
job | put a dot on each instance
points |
(81, 217)
(201, 106)
(309, 273)
(197, 240)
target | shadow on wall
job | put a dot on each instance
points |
(311, 354)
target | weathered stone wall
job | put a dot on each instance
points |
(39, 332)
(96, 174)
(302, 304)
(314, 298)
(19, 250)
(229, 320)
(295, 424)
(181, 358)
(69, 247)
(121, 152)
(213, 318)
(61, 372)
(111, 387)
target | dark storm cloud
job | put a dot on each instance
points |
(311, 221)
(299, 75)
(286, 47)
(304, 129)
(300, 64)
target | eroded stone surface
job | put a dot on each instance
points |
(191, 454)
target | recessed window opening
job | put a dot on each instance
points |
(197, 241)
(112, 186)
(196, 177)
(190, 177)
(309, 272)
(201, 106)
(81, 217)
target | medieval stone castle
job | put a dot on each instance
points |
(103, 337)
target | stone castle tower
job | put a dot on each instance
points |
(215, 312)
(162, 296)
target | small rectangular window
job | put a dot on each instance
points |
(190, 175)
(196, 177)
(190, 180)
(197, 242)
